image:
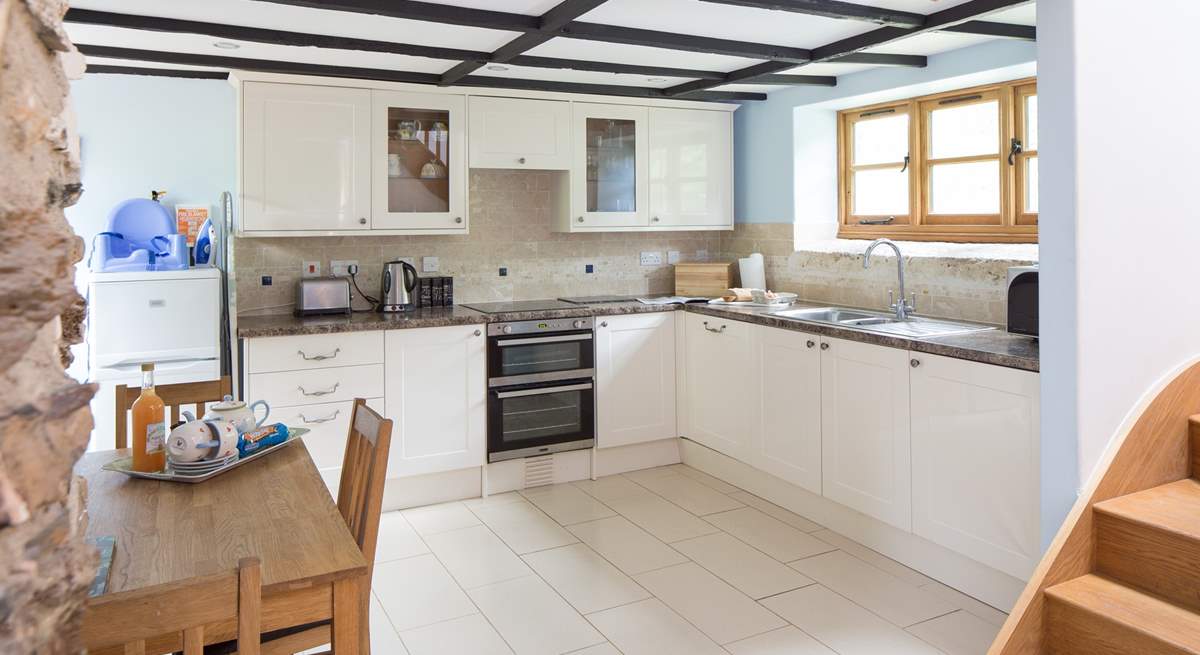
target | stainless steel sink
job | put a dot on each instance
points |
(914, 327)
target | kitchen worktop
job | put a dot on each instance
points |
(990, 347)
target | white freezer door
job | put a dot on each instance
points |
(154, 321)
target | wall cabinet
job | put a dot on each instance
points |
(608, 187)
(690, 168)
(635, 378)
(519, 133)
(865, 429)
(419, 169)
(788, 441)
(436, 397)
(721, 383)
(306, 153)
(976, 460)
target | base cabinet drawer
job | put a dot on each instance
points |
(313, 351)
(328, 425)
(326, 385)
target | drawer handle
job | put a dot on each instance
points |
(320, 420)
(824, 346)
(326, 392)
(811, 343)
(319, 358)
(914, 363)
(714, 330)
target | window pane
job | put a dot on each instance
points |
(964, 130)
(881, 140)
(972, 188)
(881, 192)
(1031, 185)
(1031, 123)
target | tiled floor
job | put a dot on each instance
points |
(662, 561)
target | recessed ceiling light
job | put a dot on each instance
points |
(226, 45)
(496, 67)
(656, 79)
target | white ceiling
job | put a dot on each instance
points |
(691, 17)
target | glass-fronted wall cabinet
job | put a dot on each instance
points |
(419, 172)
(608, 185)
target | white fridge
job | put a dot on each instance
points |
(171, 318)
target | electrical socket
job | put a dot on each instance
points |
(429, 264)
(341, 267)
(651, 258)
(310, 269)
(672, 256)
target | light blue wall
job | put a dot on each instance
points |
(764, 154)
(141, 133)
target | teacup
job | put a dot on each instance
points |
(195, 441)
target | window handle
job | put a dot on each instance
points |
(905, 167)
(877, 221)
(1014, 150)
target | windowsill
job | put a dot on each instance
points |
(1014, 252)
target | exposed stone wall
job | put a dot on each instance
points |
(44, 419)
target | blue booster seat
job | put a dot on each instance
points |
(141, 236)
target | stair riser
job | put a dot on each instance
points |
(1162, 562)
(1072, 630)
(1194, 443)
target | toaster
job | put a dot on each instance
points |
(322, 295)
(1023, 300)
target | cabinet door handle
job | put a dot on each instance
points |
(362, 221)
(824, 346)
(458, 219)
(521, 160)
(579, 220)
(326, 392)
(654, 220)
(811, 343)
(715, 330)
(319, 358)
(914, 363)
(603, 323)
(478, 333)
(327, 419)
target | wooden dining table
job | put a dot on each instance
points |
(276, 508)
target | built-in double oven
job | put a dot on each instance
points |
(540, 387)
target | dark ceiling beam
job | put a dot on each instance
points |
(561, 14)
(793, 80)
(295, 68)
(838, 50)
(157, 72)
(426, 11)
(679, 41)
(612, 67)
(882, 59)
(834, 9)
(988, 28)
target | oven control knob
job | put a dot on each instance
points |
(507, 329)
(578, 324)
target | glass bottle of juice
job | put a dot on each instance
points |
(149, 426)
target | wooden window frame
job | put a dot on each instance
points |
(1011, 225)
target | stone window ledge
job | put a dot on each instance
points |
(1015, 252)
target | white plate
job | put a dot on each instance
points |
(782, 298)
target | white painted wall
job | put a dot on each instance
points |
(1120, 217)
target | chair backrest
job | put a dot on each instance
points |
(174, 396)
(130, 618)
(364, 469)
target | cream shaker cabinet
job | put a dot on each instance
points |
(435, 388)
(635, 378)
(788, 440)
(690, 168)
(865, 429)
(976, 460)
(721, 384)
(306, 156)
(419, 164)
(519, 133)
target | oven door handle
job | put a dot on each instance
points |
(555, 339)
(543, 391)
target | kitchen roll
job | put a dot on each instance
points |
(754, 275)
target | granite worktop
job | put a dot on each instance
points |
(994, 346)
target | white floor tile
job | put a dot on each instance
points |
(494, 499)
(599, 649)
(843, 626)
(397, 539)
(717, 609)
(524, 527)
(383, 636)
(661, 518)
(611, 487)
(440, 518)
(885, 594)
(567, 504)
(533, 619)
(705, 479)
(646, 474)
(963, 601)
(589, 582)
(690, 494)
(784, 641)
(651, 628)
(872, 557)
(771, 509)
(960, 633)
(475, 556)
(768, 534)
(418, 591)
(470, 635)
(630, 548)
(752, 572)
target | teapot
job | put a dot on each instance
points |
(239, 413)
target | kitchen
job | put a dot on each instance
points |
(777, 459)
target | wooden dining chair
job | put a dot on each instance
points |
(175, 396)
(360, 501)
(129, 619)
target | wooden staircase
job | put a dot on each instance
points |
(1123, 574)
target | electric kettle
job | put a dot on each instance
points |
(399, 281)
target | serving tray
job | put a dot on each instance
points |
(783, 299)
(125, 464)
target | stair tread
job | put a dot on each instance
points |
(1134, 609)
(1174, 507)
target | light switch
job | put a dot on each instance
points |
(310, 269)
(429, 264)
